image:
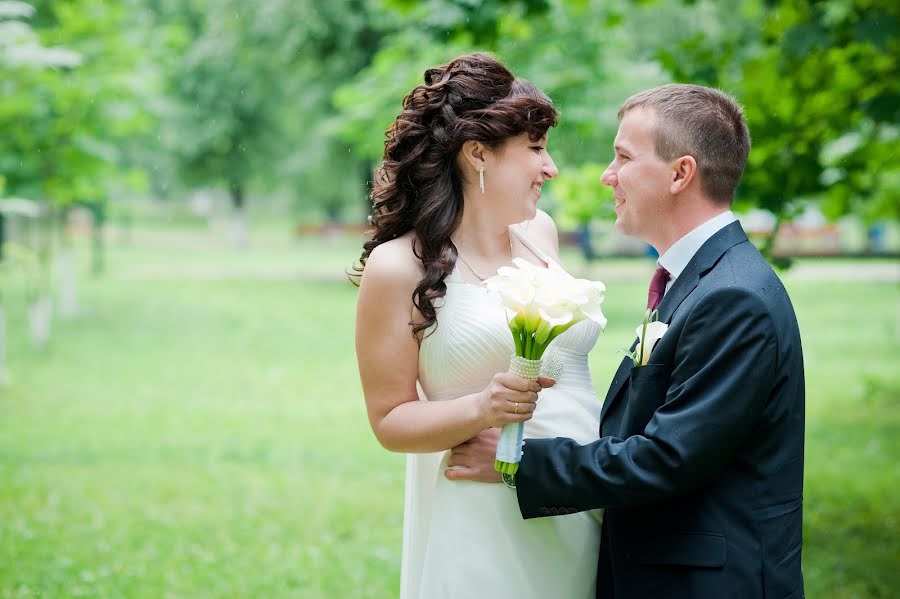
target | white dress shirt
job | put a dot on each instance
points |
(677, 257)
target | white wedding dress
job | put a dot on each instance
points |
(465, 539)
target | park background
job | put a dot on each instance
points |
(183, 184)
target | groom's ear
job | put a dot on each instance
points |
(683, 172)
(472, 153)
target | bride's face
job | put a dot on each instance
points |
(514, 175)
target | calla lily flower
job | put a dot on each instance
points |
(649, 334)
(532, 295)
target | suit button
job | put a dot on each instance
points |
(544, 511)
(554, 511)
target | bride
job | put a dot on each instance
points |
(463, 163)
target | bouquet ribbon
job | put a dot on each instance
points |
(509, 446)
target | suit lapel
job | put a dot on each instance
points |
(702, 262)
(622, 375)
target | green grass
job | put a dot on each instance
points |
(199, 431)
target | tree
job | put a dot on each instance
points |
(68, 97)
(250, 92)
(818, 83)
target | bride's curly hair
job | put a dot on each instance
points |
(419, 185)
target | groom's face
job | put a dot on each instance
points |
(640, 179)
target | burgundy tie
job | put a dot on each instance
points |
(657, 288)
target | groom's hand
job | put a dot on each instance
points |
(474, 459)
(545, 382)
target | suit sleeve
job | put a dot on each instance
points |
(724, 365)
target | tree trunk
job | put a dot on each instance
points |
(2, 234)
(3, 378)
(585, 241)
(98, 255)
(98, 247)
(768, 246)
(40, 317)
(239, 234)
(65, 268)
(68, 295)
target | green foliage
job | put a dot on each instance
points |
(294, 97)
(819, 87)
(20, 273)
(481, 21)
(249, 93)
(577, 190)
(815, 79)
(370, 103)
(69, 96)
(830, 127)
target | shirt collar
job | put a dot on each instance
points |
(677, 257)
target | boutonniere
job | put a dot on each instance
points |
(649, 333)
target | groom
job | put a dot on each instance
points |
(700, 460)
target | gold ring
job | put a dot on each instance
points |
(517, 408)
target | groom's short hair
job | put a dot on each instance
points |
(702, 122)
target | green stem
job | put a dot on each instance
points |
(516, 330)
(541, 348)
(643, 336)
(505, 467)
(768, 245)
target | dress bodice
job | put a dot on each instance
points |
(471, 342)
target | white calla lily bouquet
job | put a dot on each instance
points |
(541, 304)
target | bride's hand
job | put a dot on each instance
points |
(509, 398)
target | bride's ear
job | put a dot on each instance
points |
(472, 155)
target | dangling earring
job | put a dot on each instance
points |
(481, 179)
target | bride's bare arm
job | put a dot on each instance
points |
(388, 359)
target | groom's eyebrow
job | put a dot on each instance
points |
(620, 148)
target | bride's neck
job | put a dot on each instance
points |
(481, 232)
(482, 238)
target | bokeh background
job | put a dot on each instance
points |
(183, 184)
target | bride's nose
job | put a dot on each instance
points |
(550, 171)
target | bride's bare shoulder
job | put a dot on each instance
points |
(542, 231)
(394, 263)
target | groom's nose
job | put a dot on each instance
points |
(609, 177)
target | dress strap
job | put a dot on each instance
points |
(541, 254)
(454, 276)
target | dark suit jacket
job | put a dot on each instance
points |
(700, 460)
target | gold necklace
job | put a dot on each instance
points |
(465, 262)
(477, 274)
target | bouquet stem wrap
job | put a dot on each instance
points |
(509, 447)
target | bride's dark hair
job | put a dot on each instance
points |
(419, 186)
